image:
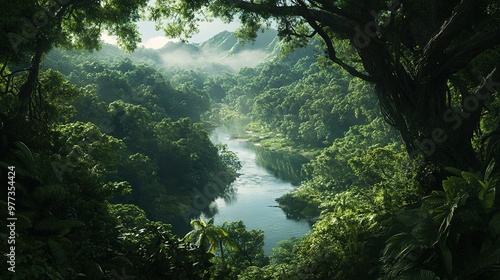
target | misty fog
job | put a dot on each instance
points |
(185, 59)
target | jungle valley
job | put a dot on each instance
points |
(379, 121)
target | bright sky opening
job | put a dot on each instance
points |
(154, 39)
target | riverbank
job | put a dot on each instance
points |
(260, 136)
(255, 191)
(284, 155)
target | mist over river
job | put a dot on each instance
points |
(254, 199)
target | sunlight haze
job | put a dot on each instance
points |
(155, 39)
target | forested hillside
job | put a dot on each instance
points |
(358, 163)
(106, 157)
(107, 153)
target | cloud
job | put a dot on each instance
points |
(206, 30)
(209, 29)
(213, 59)
(109, 39)
(157, 42)
(250, 58)
(152, 43)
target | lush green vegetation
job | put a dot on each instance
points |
(103, 151)
(381, 214)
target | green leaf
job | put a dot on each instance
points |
(494, 225)
(57, 251)
(489, 171)
(472, 179)
(487, 196)
(92, 270)
(46, 192)
(23, 222)
(453, 170)
(427, 275)
(447, 257)
(52, 224)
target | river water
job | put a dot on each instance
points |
(254, 199)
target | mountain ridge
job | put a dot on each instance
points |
(227, 41)
(224, 51)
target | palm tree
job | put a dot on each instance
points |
(208, 236)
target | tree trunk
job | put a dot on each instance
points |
(411, 55)
(28, 90)
(418, 108)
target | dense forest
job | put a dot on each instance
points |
(392, 107)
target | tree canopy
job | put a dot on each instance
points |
(101, 154)
(434, 64)
(32, 28)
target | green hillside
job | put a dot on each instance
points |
(384, 114)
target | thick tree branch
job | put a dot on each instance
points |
(463, 54)
(330, 48)
(339, 24)
(15, 72)
(351, 70)
(432, 52)
(336, 22)
(263, 9)
(331, 8)
(481, 94)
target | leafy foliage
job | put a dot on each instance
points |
(454, 233)
(167, 156)
(110, 129)
(150, 250)
(105, 141)
(245, 249)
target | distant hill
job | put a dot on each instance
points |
(175, 47)
(223, 52)
(227, 42)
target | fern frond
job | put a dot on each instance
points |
(47, 192)
(52, 224)
(25, 161)
(23, 222)
(58, 251)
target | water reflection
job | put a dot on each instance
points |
(252, 195)
(211, 210)
(229, 196)
(285, 166)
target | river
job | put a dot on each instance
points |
(255, 192)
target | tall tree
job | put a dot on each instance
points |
(424, 57)
(32, 28)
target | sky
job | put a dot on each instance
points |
(155, 39)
